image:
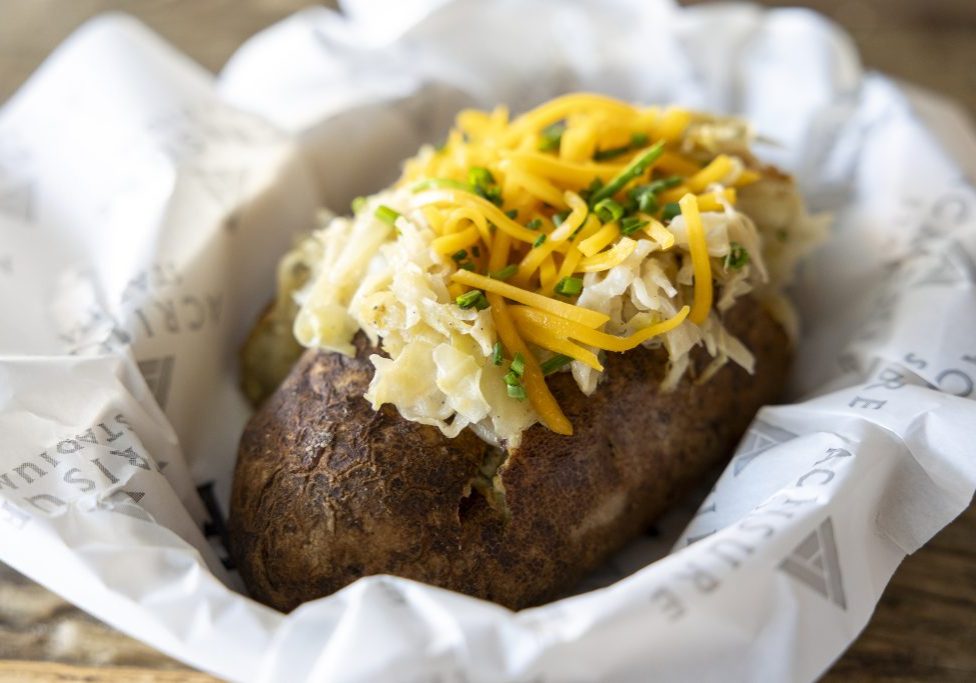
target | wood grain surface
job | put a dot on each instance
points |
(925, 626)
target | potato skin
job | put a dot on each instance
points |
(326, 490)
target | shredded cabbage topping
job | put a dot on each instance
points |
(536, 245)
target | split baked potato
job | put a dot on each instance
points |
(516, 358)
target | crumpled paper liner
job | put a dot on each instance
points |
(143, 206)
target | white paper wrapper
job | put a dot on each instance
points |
(143, 206)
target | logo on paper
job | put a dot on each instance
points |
(157, 373)
(760, 438)
(815, 563)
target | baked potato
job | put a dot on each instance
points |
(327, 490)
(517, 357)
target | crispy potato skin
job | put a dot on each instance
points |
(326, 490)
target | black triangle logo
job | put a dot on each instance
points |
(760, 438)
(158, 372)
(815, 563)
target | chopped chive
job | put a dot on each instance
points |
(512, 213)
(479, 175)
(630, 225)
(511, 378)
(737, 256)
(473, 299)
(358, 204)
(386, 214)
(505, 273)
(551, 136)
(459, 255)
(634, 169)
(671, 210)
(539, 241)
(467, 265)
(555, 363)
(434, 183)
(663, 184)
(637, 140)
(476, 251)
(516, 391)
(610, 153)
(595, 185)
(558, 218)
(608, 210)
(493, 194)
(518, 364)
(483, 184)
(496, 354)
(569, 286)
(648, 203)
(534, 224)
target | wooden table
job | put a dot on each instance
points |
(925, 626)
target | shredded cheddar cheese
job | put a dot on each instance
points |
(584, 226)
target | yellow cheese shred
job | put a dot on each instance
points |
(604, 236)
(543, 337)
(448, 244)
(702, 301)
(601, 340)
(583, 316)
(606, 260)
(532, 378)
(490, 211)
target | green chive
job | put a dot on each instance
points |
(512, 213)
(512, 379)
(551, 136)
(358, 204)
(459, 255)
(610, 153)
(473, 299)
(608, 210)
(479, 175)
(505, 273)
(637, 140)
(534, 224)
(555, 363)
(434, 183)
(467, 265)
(386, 214)
(595, 186)
(569, 286)
(634, 169)
(663, 184)
(737, 256)
(496, 354)
(671, 209)
(630, 225)
(518, 364)
(558, 218)
(516, 391)
(540, 240)
(493, 194)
